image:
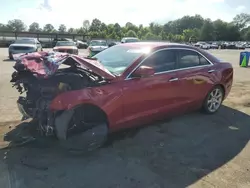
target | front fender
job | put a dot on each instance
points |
(71, 99)
(107, 98)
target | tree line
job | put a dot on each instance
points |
(185, 29)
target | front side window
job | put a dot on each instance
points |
(164, 60)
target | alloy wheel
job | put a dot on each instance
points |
(214, 99)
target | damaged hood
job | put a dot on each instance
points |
(45, 64)
(93, 65)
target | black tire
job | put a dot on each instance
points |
(90, 137)
(10, 56)
(216, 101)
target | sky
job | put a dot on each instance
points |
(73, 12)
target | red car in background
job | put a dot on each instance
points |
(66, 47)
(124, 86)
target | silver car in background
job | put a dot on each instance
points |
(24, 45)
(129, 39)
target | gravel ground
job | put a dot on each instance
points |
(193, 150)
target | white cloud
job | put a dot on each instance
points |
(73, 12)
(240, 8)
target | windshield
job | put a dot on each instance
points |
(25, 41)
(117, 58)
(98, 43)
(65, 43)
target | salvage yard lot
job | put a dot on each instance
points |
(192, 150)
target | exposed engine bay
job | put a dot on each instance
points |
(39, 80)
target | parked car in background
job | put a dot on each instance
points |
(24, 45)
(129, 39)
(240, 46)
(202, 45)
(113, 43)
(66, 47)
(81, 44)
(61, 39)
(214, 45)
(96, 46)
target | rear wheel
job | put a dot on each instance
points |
(213, 100)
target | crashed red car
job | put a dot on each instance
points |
(80, 100)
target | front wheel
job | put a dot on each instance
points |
(87, 130)
(213, 100)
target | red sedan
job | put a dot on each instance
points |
(139, 83)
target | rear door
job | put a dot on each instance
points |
(195, 74)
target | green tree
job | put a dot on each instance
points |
(190, 35)
(151, 36)
(71, 30)
(207, 31)
(16, 25)
(187, 28)
(131, 33)
(4, 27)
(62, 28)
(49, 28)
(242, 20)
(34, 27)
(95, 25)
(86, 26)
(247, 35)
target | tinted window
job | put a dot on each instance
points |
(25, 41)
(203, 61)
(161, 61)
(188, 58)
(98, 43)
(65, 43)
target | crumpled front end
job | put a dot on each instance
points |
(40, 78)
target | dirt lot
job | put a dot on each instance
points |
(194, 150)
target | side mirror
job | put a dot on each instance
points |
(143, 71)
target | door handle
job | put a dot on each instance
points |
(173, 79)
(210, 71)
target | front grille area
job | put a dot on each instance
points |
(21, 48)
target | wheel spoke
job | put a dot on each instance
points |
(219, 96)
(209, 101)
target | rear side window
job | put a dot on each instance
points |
(189, 58)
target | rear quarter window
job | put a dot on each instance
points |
(211, 57)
